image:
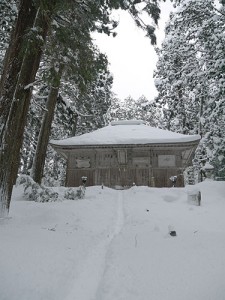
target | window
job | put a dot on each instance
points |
(122, 157)
(166, 161)
(83, 163)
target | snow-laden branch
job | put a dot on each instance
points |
(39, 105)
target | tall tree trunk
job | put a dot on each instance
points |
(14, 58)
(43, 138)
(200, 115)
(12, 66)
(182, 110)
(74, 131)
(12, 135)
(29, 148)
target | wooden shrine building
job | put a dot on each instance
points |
(127, 153)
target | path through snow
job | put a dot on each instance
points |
(87, 284)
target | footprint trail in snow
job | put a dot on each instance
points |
(90, 277)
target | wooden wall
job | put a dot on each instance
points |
(123, 167)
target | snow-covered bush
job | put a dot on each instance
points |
(35, 192)
(73, 194)
(70, 194)
(81, 192)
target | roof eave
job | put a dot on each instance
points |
(99, 146)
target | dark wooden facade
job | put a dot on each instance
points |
(121, 166)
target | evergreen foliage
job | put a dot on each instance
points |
(8, 13)
(190, 78)
(35, 192)
(140, 109)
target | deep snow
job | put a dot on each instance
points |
(115, 245)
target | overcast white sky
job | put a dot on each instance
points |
(132, 57)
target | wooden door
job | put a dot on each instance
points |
(102, 176)
(142, 177)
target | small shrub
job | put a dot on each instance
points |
(70, 194)
(73, 194)
(35, 192)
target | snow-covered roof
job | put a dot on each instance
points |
(126, 132)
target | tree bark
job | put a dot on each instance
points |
(14, 58)
(74, 131)
(17, 109)
(44, 134)
(12, 66)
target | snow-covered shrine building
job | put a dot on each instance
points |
(127, 153)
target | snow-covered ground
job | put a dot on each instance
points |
(115, 245)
